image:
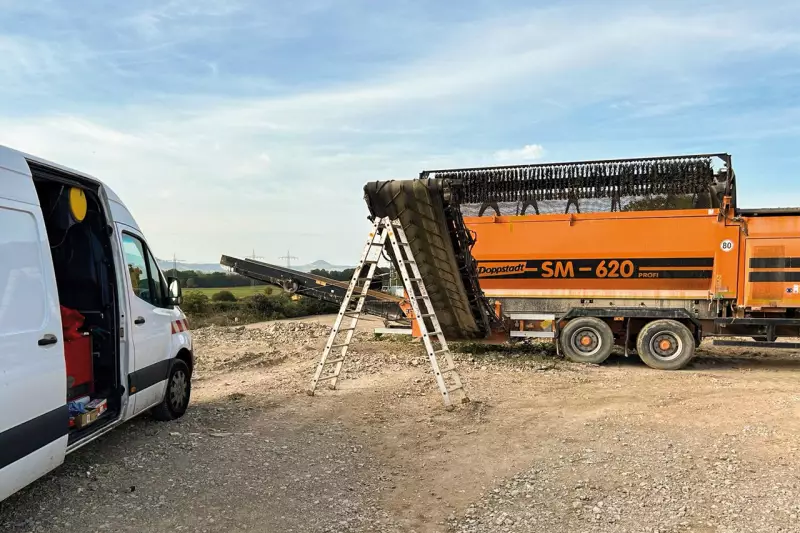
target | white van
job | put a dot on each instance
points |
(70, 248)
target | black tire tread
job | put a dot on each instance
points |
(162, 411)
(643, 342)
(606, 340)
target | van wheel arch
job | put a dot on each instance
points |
(177, 394)
(187, 357)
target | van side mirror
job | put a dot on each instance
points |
(175, 292)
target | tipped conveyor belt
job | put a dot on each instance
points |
(428, 210)
(329, 290)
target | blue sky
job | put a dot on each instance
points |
(241, 125)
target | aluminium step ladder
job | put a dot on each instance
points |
(447, 378)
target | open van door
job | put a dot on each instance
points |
(152, 316)
(34, 419)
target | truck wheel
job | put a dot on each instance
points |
(176, 397)
(665, 344)
(587, 340)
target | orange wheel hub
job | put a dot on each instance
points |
(586, 340)
(665, 345)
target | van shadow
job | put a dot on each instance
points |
(254, 465)
(117, 464)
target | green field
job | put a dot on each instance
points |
(239, 292)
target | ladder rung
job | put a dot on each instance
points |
(388, 231)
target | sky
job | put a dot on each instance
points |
(240, 126)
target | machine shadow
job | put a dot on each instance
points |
(768, 360)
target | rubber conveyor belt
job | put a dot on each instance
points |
(429, 211)
(313, 286)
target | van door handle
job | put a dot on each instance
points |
(139, 321)
(48, 339)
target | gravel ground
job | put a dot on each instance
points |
(211, 472)
(544, 446)
(606, 489)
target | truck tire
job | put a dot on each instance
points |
(587, 340)
(665, 344)
(177, 394)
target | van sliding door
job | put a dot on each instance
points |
(34, 420)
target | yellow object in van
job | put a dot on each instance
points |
(77, 204)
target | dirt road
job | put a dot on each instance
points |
(545, 446)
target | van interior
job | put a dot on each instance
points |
(80, 244)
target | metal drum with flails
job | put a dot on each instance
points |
(641, 184)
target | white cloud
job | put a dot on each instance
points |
(30, 65)
(529, 152)
(176, 15)
(287, 171)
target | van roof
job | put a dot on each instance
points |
(17, 161)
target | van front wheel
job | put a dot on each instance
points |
(176, 397)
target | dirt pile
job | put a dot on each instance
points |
(274, 332)
(222, 349)
(226, 348)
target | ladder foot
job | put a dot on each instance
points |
(310, 392)
(435, 344)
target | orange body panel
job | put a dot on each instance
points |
(696, 254)
(687, 254)
(771, 259)
(405, 306)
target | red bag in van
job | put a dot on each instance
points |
(71, 320)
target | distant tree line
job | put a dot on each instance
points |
(223, 308)
(340, 275)
(195, 279)
(380, 278)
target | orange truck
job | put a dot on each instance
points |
(649, 254)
